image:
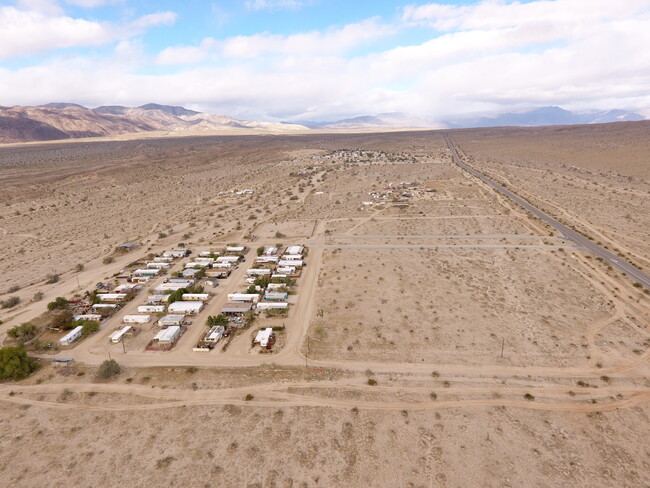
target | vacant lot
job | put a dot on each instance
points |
(454, 305)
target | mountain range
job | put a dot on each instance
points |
(55, 121)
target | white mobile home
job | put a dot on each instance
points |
(112, 297)
(163, 259)
(192, 297)
(286, 270)
(71, 336)
(292, 257)
(270, 251)
(187, 308)
(276, 296)
(258, 272)
(126, 288)
(150, 272)
(266, 259)
(236, 249)
(156, 265)
(171, 319)
(203, 259)
(215, 333)
(153, 299)
(118, 335)
(228, 259)
(178, 253)
(244, 297)
(295, 250)
(136, 319)
(264, 336)
(91, 317)
(168, 335)
(151, 308)
(268, 305)
(197, 264)
(296, 262)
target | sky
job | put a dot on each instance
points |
(320, 60)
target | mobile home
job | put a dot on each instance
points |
(187, 308)
(136, 319)
(71, 336)
(118, 335)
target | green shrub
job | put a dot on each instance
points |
(15, 364)
(23, 332)
(60, 303)
(52, 278)
(108, 369)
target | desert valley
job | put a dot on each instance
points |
(379, 315)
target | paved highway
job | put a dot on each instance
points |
(609, 257)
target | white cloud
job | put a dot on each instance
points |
(26, 32)
(256, 5)
(39, 30)
(93, 3)
(335, 41)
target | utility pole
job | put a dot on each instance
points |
(503, 343)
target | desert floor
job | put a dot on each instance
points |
(448, 339)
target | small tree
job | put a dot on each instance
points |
(14, 364)
(60, 303)
(38, 296)
(217, 320)
(260, 250)
(23, 332)
(79, 268)
(108, 369)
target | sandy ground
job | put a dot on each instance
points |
(418, 297)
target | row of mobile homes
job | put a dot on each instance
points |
(118, 335)
(171, 319)
(71, 336)
(151, 308)
(136, 319)
(187, 308)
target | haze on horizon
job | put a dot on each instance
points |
(327, 59)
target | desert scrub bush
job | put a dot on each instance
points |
(248, 397)
(372, 382)
(107, 260)
(23, 332)
(108, 369)
(529, 397)
(38, 296)
(11, 302)
(52, 278)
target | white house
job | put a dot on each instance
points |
(296, 262)
(263, 336)
(171, 319)
(151, 308)
(295, 250)
(187, 308)
(156, 265)
(136, 319)
(71, 336)
(112, 297)
(200, 297)
(168, 335)
(258, 272)
(215, 333)
(268, 305)
(244, 297)
(146, 272)
(236, 249)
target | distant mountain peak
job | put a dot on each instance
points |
(174, 110)
(61, 105)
